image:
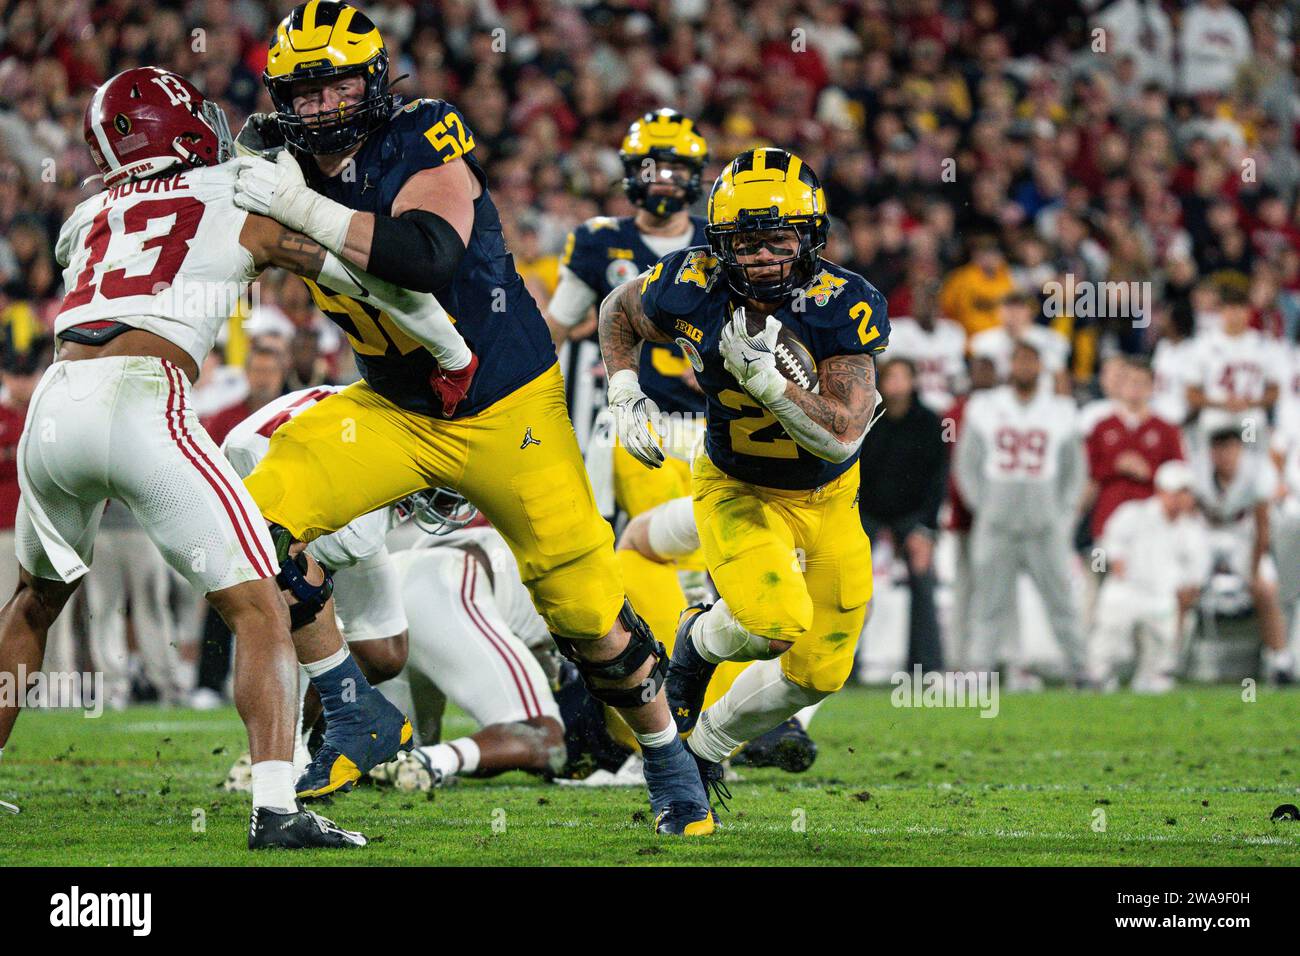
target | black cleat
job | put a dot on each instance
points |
(297, 830)
(688, 674)
(786, 747)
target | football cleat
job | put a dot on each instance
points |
(298, 829)
(369, 732)
(409, 773)
(786, 747)
(712, 778)
(689, 820)
(688, 673)
(677, 797)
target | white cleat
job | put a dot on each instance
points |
(410, 772)
(240, 777)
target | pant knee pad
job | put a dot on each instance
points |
(641, 646)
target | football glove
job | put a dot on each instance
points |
(752, 358)
(635, 418)
(260, 136)
(279, 190)
(452, 385)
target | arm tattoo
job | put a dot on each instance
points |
(295, 252)
(847, 398)
(624, 326)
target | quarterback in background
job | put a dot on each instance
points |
(396, 190)
(763, 320)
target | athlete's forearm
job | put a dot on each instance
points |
(832, 423)
(419, 314)
(416, 313)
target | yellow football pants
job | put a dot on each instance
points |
(518, 461)
(791, 565)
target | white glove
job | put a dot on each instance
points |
(278, 190)
(635, 418)
(752, 358)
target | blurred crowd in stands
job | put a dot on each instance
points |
(1091, 200)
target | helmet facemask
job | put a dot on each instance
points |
(437, 511)
(337, 130)
(750, 234)
(642, 172)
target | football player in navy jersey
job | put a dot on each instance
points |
(775, 487)
(395, 189)
(663, 160)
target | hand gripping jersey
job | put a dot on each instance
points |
(605, 252)
(487, 299)
(159, 254)
(686, 295)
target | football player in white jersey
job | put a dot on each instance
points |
(1170, 363)
(461, 606)
(153, 266)
(1234, 369)
(1021, 468)
(935, 345)
(1016, 313)
(1234, 489)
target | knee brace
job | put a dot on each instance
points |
(310, 598)
(641, 645)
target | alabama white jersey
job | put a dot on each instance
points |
(997, 344)
(1023, 439)
(159, 254)
(939, 355)
(367, 600)
(248, 442)
(1170, 364)
(1233, 503)
(1233, 366)
(1159, 556)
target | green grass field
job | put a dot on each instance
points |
(1188, 779)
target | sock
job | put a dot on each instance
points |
(805, 716)
(719, 637)
(467, 747)
(657, 739)
(273, 785)
(458, 757)
(339, 681)
(760, 699)
(316, 668)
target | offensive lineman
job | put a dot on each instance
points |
(775, 486)
(396, 190)
(144, 261)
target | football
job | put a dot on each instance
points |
(793, 359)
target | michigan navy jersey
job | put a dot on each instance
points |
(605, 252)
(686, 295)
(486, 298)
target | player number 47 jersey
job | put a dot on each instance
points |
(686, 296)
(160, 254)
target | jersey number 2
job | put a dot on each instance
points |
(760, 435)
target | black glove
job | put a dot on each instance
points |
(260, 136)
